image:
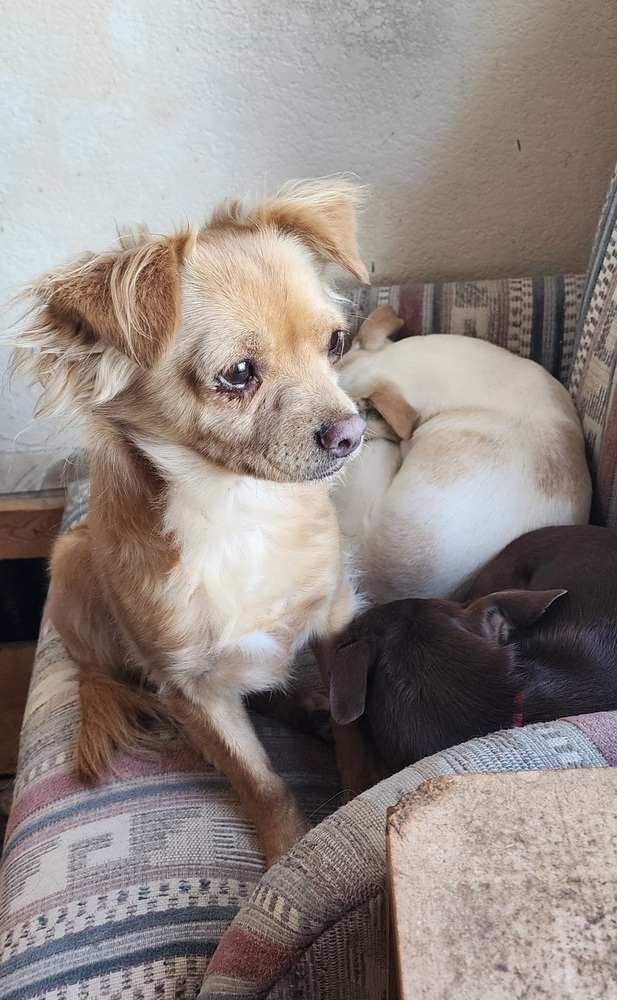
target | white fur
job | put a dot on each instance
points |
(424, 515)
(252, 555)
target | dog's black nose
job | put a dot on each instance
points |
(341, 437)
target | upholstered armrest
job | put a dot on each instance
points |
(315, 925)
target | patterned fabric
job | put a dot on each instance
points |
(533, 317)
(593, 375)
(315, 927)
(600, 728)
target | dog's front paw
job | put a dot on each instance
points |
(287, 827)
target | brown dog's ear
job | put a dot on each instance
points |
(377, 327)
(128, 297)
(395, 410)
(348, 679)
(496, 615)
(323, 215)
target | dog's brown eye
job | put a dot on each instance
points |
(238, 376)
(337, 343)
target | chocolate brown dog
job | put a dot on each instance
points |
(534, 639)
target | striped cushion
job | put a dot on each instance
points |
(592, 383)
(533, 317)
(125, 889)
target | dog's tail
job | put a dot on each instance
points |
(113, 716)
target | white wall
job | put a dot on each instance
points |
(486, 127)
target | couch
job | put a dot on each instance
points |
(151, 885)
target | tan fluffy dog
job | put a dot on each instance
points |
(202, 365)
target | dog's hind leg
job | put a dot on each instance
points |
(221, 731)
(113, 712)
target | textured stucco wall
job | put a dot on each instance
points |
(486, 127)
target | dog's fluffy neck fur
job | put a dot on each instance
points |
(216, 532)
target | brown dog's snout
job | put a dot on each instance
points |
(341, 437)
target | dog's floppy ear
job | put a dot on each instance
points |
(348, 679)
(128, 297)
(395, 410)
(377, 327)
(496, 615)
(323, 215)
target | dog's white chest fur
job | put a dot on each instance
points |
(259, 567)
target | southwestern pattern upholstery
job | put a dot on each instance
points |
(534, 317)
(315, 926)
(592, 382)
(124, 891)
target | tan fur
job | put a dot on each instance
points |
(112, 717)
(211, 551)
(394, 408)
(560, 470)
(377, 327)
(131, 299)
(453, 454)
(322, 215)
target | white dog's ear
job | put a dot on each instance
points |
(396, 411)
(377, 327)
(322, 214)
(128, 297)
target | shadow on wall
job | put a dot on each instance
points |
(525, 161)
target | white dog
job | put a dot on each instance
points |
(467, 447)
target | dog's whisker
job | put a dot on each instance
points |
(324, 805)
